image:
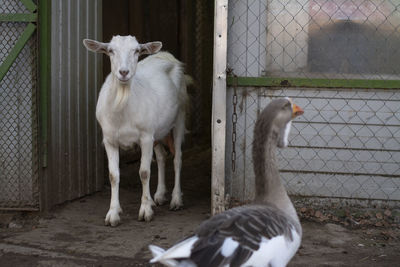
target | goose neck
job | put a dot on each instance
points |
(269, 187)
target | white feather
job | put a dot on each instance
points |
(276, 251)
(286, 134)
(180, 250)
(156, 251)
(228, 247)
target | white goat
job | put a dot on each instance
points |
(140, 103)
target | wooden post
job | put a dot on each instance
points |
(218, 123)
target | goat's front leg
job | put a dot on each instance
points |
(112, 217)
(146, 145)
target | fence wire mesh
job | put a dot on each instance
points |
(347, 143)
(18, 117)
(315, 38)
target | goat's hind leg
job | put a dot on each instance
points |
(159, 196)
(146, 145)
(112, 217)
(179, 132)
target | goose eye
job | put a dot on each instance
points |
(288, 105)
(110, 51)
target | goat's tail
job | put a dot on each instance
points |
(176, 71)
(188, 80)
(184, 97)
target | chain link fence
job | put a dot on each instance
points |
(18, 116)
(315, 38)
(347, 144)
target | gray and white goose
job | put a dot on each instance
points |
(264, 233)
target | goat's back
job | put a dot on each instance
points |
(173, 68)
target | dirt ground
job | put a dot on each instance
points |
(73, 234)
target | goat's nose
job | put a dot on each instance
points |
(124, 72)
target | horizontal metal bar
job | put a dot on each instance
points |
(352, 199)
(332, 97)
(29, 17)
(346, 148)
(19, 209)
(26, 34)
(343, 173)
(29, 4)
(348, 123)
(308, 82)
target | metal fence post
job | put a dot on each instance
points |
(219, 107)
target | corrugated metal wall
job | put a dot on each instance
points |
(76, 156)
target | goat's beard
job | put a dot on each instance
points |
(122, 96)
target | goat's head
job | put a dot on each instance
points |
(124, 52)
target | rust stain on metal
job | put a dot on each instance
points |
(285, 83)
(243, 146)
(241, 104)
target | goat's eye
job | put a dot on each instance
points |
(110, 51)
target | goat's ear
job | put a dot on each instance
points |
(95, 46)
(150, 48)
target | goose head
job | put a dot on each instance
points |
(280, 113)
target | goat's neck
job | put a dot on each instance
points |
(269, 188)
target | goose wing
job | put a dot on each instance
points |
(245, 235)
(234, 236)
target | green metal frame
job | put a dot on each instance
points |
(23, 39)
(30, 5)
(44, 73)
(30, 17)
(310, 82)
(25, 36)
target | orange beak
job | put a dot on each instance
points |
(297, 111)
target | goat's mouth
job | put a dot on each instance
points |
(124, 79)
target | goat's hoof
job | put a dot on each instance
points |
(112, 218)
(176, 201)
(160, 199)
(176, 205)
(145, 213)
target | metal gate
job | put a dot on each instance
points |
(18, 105)
(339, 61)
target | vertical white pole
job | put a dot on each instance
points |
(219, 107)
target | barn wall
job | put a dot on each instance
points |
(76, 156)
